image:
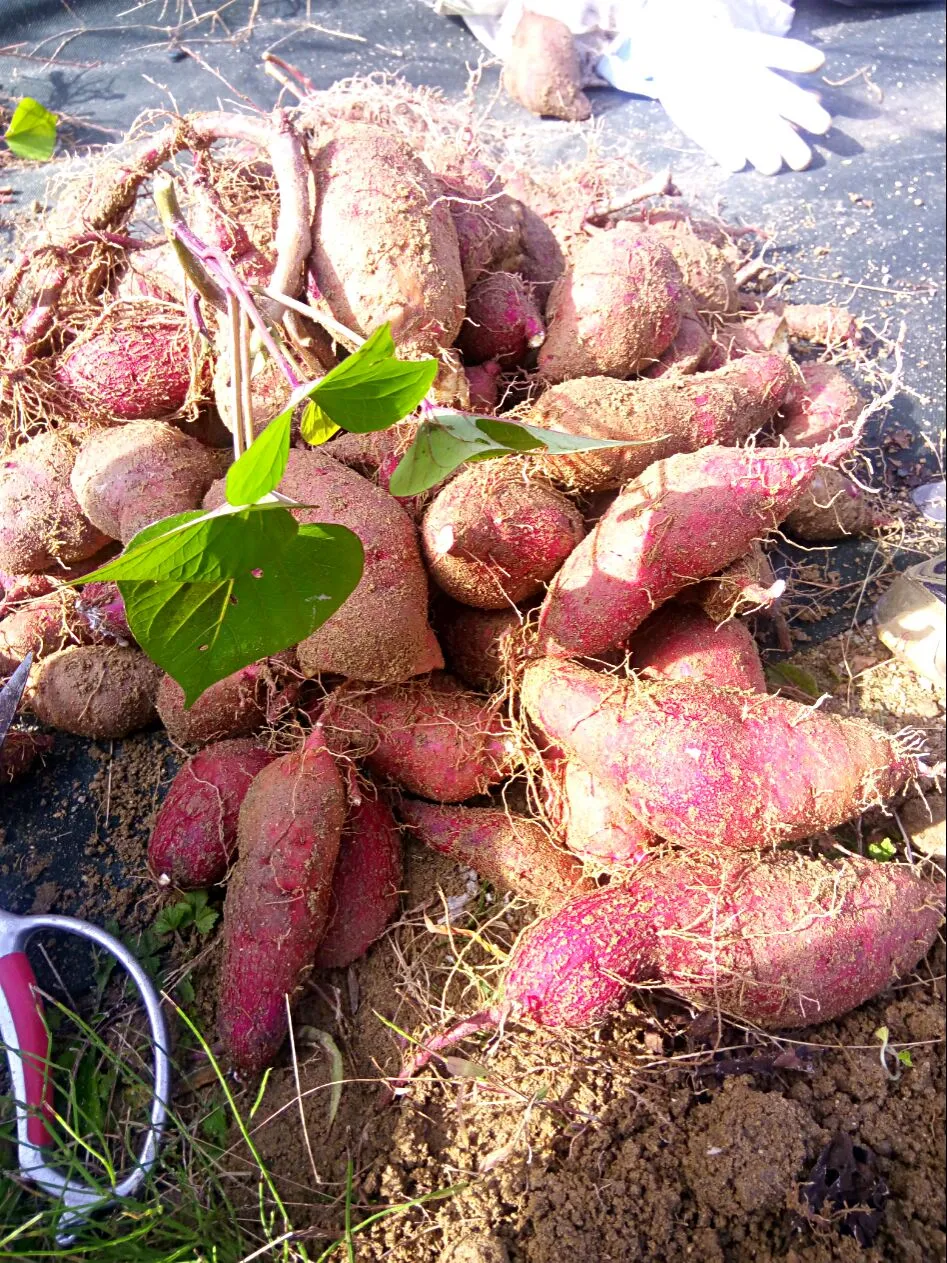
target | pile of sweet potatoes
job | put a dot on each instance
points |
(560, 630)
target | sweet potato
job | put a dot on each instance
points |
(542, 72)
(41, 628)
(384, 242)
(779, 944)
(429, 736)
(365, 884)
(658, 418)
(714, 767)
(381, 633)
(195, 829)
(278, 898)
(690, 349)
(486, 219)
(834, 506)
(19, 751)
(41, 524)
(825, 405)
(235, 706)
(817, 322)
(749, 335)
(484, 386)
(477, 642)
(705, 268)
(493, 537)
(746, 586)
(680, 642)
(511, 852)
(502, 322)
(130, 476)
(593, 821)
(615, 310)
(135, 365)
(101, 608)
(95, 691)
(683, 519)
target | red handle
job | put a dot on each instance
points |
(18, 984)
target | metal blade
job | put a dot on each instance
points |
(11, 693)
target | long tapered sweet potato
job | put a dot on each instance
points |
(365, 884)
(681, 642)
(381, 633)
(659, 418)
(781, 943)
(696, 763)
(493, 536)
(615, 310)
(430, 736)
(278, 898)
(195, 830)
(384, 243)
(684, 519)
(512, 852)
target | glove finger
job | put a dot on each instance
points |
(800, 107)
(795, 151)
(711, 131)
(763, 142)
(783, 54)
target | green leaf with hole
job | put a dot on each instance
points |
(315, 427)
(443, 444)
(235, 589)
(32, 131)
(261, 467)
(372, 389)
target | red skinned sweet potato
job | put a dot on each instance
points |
(695, 763)
(429, 736)
(683, 519)
(384, 242)
(502, 322)
(781, 943)
(593, 821)
(278, 898)
(129, 476)
(681, 642)
(825, 405)
(41, 627)
(746, 586)
(41, 523)
(542, 72)
(365, 885)
(615, 310)
(484, 386)
(658, 418)
(494, 535)
(235, 706)
(381, 633)
(690, 349)
(195, 830)
(477, 642)
(705, 268)
(512, 852)
(19, 751)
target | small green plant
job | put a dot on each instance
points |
(882, 851)
(191, 910)
(31, 132)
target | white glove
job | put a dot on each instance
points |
(716, 81)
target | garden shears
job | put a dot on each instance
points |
(25, 1036)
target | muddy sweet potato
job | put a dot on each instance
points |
(657, 418)
(502, 321)
(691, 348)
(381, 633)
(278, 899)
(195, 830)
(483, 385)
(747, 586)
(781, 943)
(823, 406)
(365, 885)
(384, 242)
(488, 222)
(705, 267)
(41, 628)
(614, 311)
(683, 519)
(235, 706)
(429, 736)
(127, 477)
(834, 506)
(477, 643)
(19, 751)
(494, 535)
(681, 642)
(542, 72)
(593, 821)
(511, 852)
(713, 767)
(95, 691)
(41, 523)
